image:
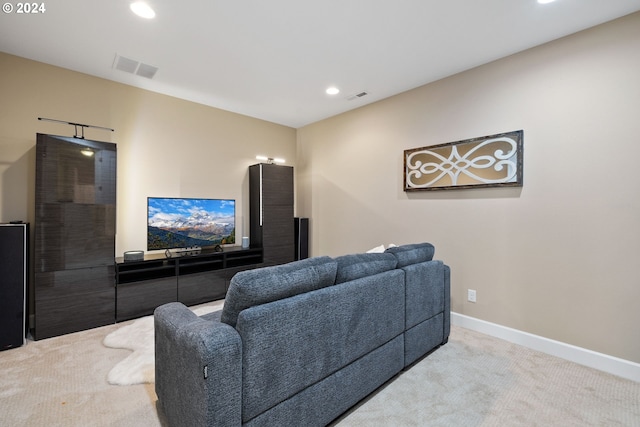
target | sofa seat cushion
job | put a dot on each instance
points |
(255, 287)
(352, 267)
(412, 254)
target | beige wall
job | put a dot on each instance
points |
(557, 257)
(166, 146)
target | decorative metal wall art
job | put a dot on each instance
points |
(488, 161)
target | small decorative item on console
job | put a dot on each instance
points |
(134, 256)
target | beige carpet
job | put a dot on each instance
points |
(477, 380)
(474, 380)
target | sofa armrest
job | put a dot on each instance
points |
(198, 368)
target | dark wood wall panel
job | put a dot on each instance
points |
(73, 235)
(277, 185)
(271, 199)
(74, 300)
(74, 242)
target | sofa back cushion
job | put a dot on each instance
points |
(262, 285)
(290, 345)
(412, 254)
(352, 267)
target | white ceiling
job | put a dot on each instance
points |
(274, 59)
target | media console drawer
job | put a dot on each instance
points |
(137, 299)
(201, 287)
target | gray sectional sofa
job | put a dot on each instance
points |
(299, 344)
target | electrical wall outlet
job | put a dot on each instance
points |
(471, 295)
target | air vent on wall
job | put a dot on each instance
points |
(357, 95)
(134, 67)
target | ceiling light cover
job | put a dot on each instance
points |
(143, 10)
(333, 90)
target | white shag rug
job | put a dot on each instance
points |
(139, 366)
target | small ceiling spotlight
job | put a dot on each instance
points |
(270, 160)
(143, 10)
(332, 90)
(545, 1)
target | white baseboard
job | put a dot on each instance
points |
(603, 362)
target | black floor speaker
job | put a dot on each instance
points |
(301, 227)
(13, 284)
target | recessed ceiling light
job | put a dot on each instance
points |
(143, 10)
(333, 91)
(545, 1)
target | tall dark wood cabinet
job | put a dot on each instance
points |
(271, 212)
(74, 243)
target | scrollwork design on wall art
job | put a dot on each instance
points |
(488, 161)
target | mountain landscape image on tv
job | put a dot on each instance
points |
(186, 222)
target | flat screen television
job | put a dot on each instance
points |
(185, 222)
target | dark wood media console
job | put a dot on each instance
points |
(141, 286)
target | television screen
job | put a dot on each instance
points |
(184, 222)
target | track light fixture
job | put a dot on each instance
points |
(270, 160)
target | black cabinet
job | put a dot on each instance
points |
(141, 286)
(74, 241)
(271, 212)
(14, 250)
